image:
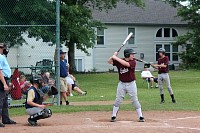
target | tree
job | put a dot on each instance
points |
(190, 12)
(77, 24)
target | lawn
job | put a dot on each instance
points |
(102, 87)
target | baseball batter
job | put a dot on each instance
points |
(163, 75)
(127, 82)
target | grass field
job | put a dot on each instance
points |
(186, 86)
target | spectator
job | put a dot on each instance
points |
(146, 74)
(72, 85)
(45, 83)
(63, 75)
(24, 85)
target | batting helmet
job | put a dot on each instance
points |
(127, 52)
(162, 50)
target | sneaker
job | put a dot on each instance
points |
(31, 122)
(67, 102)
(156, 86)
(162, 101)
(152, 87)
(2, 125)
(173, 101)
(141, 119)
(84, 93)
(113, 119)
(71, 95)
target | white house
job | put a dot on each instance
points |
(154, 26)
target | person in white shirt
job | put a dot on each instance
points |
(146, 74)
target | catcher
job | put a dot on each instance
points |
(34, 99)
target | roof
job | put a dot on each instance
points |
(154, 12)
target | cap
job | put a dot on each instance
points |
(2, 45)
(146, 65)
(61, 52)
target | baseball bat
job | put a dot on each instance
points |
(127, 38)
(145, 62)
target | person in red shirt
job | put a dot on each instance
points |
(127, 82)
(163, 70)
(24, 84)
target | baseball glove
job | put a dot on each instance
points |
(53, 91)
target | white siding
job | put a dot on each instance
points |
(115, 35)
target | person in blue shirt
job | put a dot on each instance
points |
(63, 75)
(5, 74)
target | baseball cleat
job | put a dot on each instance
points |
(67, 102)
(113, 119)
(32, 123)
(173, 101)
(163, 101)
(141, 119)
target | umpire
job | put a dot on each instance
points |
(5, 73)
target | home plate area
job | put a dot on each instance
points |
(99, 122)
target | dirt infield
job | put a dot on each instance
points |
(98, 122)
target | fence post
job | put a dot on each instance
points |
(58, 49)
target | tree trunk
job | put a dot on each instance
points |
(71, 57)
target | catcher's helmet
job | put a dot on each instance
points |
(36, 80)
(162, 50)
(127, 52)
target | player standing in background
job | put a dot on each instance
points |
(163, 70)
(127, 82)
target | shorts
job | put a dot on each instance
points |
(74, 85)
(154, 79)
(63, 85)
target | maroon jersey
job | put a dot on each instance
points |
(126, 74)
(164, 61)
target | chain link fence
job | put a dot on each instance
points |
(28, 27)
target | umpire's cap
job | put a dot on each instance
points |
(127, 52)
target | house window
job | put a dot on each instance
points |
(174, 33)
(100, 36)
(159, 33)
(170, 50)
(166, 33)
(79, 65)
(132, 39)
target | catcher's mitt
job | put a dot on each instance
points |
(53, 91)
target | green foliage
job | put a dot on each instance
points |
(190, 14)
(77, 24)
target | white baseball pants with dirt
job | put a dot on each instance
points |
(131, 89)
(164, 77)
